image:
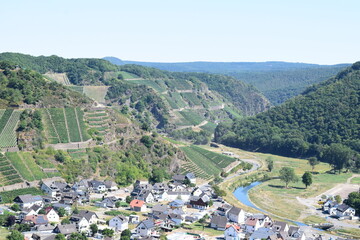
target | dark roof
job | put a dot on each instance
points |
(235, 211)
(109, 184)
(219, 221)
(190, 175)
(279, 226)
(83, 214)
(27, 198)
(95, 183)
(149, 223)
(45, 227)
(66, 229)
(292, 230)
(179, 177)
(160, 208)
(342, 207)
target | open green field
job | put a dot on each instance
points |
(34, 168)
(355, 180)
(8, 123)
(273, 197)
(3, 233)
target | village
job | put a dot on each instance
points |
(100, 210)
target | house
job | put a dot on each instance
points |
(329, 204)
(55, 188)
(51, 215)
(252, 224)
(344, 210)
(177, 219)
(218, 223)
(39, 236)
(66, 207)
(236, 215)
(138, 205)
(159, 188)
(159, 209)
(27, 201)
(134, 219)
(223, 209)
(66, 229)
(279, 226)
(183, 195)
(294, 232)
(197, 192)
(200, 202)
(178, 204)
(233, 232)
(146, 228)
(119, 223)
(35, 220)
(263, 233)
(97, 186)
(108, 202)
(81, 186)
(110, 185)
(146, 196)
(191, 177)
(84, 219)
(180, 178)
(47, 228)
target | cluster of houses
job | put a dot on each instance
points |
(341, 211)
(159, 208)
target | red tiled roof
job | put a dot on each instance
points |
(136, 203)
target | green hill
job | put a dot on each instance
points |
(323, 115)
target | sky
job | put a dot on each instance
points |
(311, 31)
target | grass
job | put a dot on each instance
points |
(274, 198)
(83, 128)
(19, 165)
(178, 84)
(353, 232)
(50, 131)
(58, 118)
(313, 220)
(127, 75)
(34, 168)
(210, 231)
(149, 83)
(9, 196)
(97, 93)
(209, 127)
(221, 161)
(355, 180)
(3, 233)
(191, 117)
(8, 128)
(191, 98)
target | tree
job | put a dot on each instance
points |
(313, 161)
(94, 229)
(270, 163)
(15, 207)
(128, 199)
(108, 232)
(288, 175)
(10, 221)
(147, 141)
(42, 211)
(338, 199)
(60, 236)
(338, 156)
(61, 212)
(353, 201)
(15, 235)
(307, 179)
(118, 204)
(65, 221)
(76, 210)
(78, 236)
(125, 235)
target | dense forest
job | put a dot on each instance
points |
(278, 86)
(19, 87)
(321, 122)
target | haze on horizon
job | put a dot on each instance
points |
(322, 32)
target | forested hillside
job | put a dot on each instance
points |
(278, 81)
(20, 87)
(325, 117)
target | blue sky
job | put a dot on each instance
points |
(316, 31)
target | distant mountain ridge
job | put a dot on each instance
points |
(277, 80)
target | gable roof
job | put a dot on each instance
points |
(122, 218)
(279, 226)
(66, 228)
(342, 207)
(235, 210)
(28, 198)
(148, 223)
(190, 175)
(136, 203)
(160, 208)
(84, 214)
(219, 221)
(179, 177)
(36, 219)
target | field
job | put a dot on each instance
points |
(274, 198)
(8, 174)
(191, 117)
(149, 83)
(18, 163)
(58, 77)
(79, 89)
(209, 127)
(355, 180)
(3, 233)
(32, 166)
(64, 125)
(178, 84)
(8, 123)
(98, 120)
(209, 162)
(97, 93)
(191, 98)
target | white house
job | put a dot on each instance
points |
(146, 228)
(236, 215)
(119, 223)
(84, 219)
(252, 224)
(52, 215)
(233, 232)
(111, 186)
(97, 186)
(218, 223)
(191, 177)
(344, 210)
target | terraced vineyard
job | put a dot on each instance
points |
(179, 84)
(8, 175)
(150, 83)
(64, 125)
(18, 163)
(208, 164)
(191, 117)
(98, 119)
(8, 122)
(191, 98)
